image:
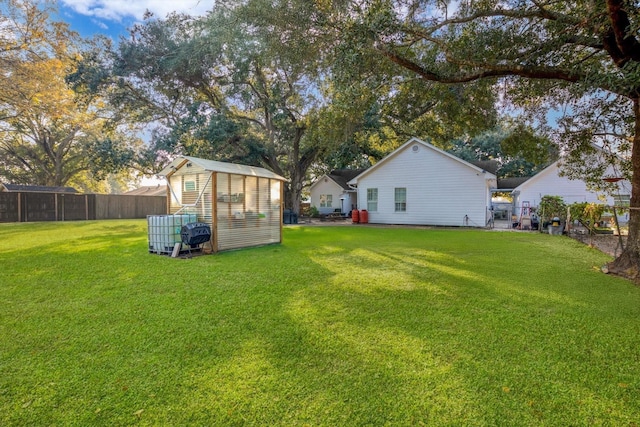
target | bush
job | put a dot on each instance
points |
(550, 207)
(589, 214)
(312, 212)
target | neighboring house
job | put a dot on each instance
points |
(549, 183)
(149, 190)
(331, 192)
(15, 188)
(421, 184)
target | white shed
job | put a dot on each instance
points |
(421, 184)
(549, 183)
(242, 204)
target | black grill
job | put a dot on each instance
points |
(195, 233)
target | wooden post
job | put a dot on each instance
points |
(20, 207)
(281, 207)
(214, 213)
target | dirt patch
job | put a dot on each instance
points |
(607, 243)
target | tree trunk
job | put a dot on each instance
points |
(295, 189)
(628, 263)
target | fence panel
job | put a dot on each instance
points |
(109, 206)
(74, 206)
(32, 206)
(9, 203)
(39, 207)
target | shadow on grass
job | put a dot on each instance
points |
(331, 328)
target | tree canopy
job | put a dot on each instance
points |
(48, 134)
(580, 59)
(518, 151)
(216, 87)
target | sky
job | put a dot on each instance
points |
(113, 17)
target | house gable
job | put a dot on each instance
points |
(420, 144)
(439, 188)
(326, 194)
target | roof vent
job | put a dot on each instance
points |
(415, 148)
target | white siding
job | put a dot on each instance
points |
(440, 189)
(326, 185)
(550, 183)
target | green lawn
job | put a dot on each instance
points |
(338, 326)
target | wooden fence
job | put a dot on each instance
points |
(28, 206)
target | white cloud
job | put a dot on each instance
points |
(100, 24)
(119, 10)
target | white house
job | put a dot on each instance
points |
(549, 183)
(331, 192)
(421, 184)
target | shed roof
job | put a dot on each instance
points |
(16, 188)
(215, 166)
(148, 190)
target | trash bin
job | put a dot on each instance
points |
(289, 217)
(555, 227)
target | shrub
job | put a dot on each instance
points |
(312, 212)
(552, 206)
(589, 214)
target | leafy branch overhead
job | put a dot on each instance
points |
(216, 89)
(579, 60)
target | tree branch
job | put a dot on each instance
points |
(625, 41)
(484, 71)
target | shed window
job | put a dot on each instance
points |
(189, 185)
(401, 199)
(326, 200)
(372, 199)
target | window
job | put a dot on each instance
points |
(326, 200)
(372, 199)
(622, 201)
(401, 199)
(189, 185)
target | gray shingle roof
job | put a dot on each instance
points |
(16, 188)
(490, 166)
(511, 183)
(343, 176)
(155, 190)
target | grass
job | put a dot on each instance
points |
(338, 326)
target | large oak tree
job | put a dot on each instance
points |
(580, 58)
(49, 135)
(218, 87)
